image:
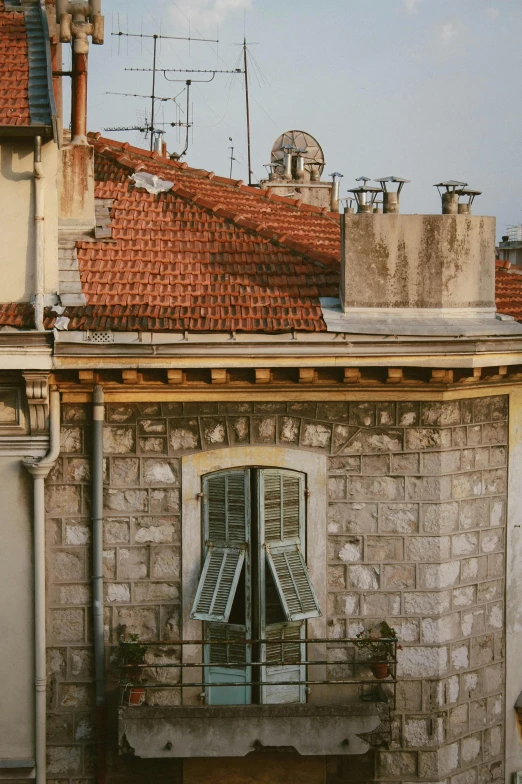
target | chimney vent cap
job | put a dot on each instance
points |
(392, 178)
(334, 175)
(450, 184)
(365, 189)
(469, 192)
(363, 179)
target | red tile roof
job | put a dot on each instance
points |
(14, 68)
(209, 255)
(508, 287)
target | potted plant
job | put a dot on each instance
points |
(380, 649)
(132, 656)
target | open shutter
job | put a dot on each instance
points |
(217, 584)
(293, 582)
(286, 584)
(226, 516)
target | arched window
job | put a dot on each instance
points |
(254, 585)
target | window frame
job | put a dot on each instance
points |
(193, 468)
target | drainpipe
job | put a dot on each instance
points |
(39, 469)
(98, 416)
(39, 234)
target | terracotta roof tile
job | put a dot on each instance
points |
(14, 68)
(212, 254)
(508, 289)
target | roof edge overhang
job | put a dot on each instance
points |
(17, 131)
(157, 350)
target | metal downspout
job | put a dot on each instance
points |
(39, 469)
(97, 578)
(39, 235)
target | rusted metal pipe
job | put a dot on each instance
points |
(79, 98)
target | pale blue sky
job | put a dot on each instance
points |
(424, 89)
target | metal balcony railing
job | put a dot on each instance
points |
(356, 671)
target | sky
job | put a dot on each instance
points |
(424, 89)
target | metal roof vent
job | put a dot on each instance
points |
(450, 197)
(465, 206)
(365, 194)
(390, 198)
(336, 184)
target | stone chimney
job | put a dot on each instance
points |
(404, 266)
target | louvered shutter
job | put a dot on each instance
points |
(226, 505)
(283, 674)
(293, 582)
(282, 514)
(282, 505)
(226, 516)
(282, 528)
(228, 678)
(218, 583)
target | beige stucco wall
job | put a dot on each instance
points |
(514, 588)
(17, 211)
(418, 261)
(16, 591)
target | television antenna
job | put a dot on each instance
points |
(232, 159)
(153, 97)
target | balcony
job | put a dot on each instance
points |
(209, 698)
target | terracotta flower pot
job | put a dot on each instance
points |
(380, 669)
(136, 695)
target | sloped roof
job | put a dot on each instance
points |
(26, 98)
(211, 254)
(508, 289)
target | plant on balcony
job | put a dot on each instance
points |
(131, 656)
(379, 648)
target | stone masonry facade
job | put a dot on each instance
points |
(416, 529)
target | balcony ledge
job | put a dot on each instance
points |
(235, 731)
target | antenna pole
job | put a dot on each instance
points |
(245, 66)
(232, 159)
(153, 94)
(188, 83)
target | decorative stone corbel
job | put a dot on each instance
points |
(37, 391)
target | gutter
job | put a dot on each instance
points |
(39, 470)
(98, 416)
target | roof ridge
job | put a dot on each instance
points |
(238, 184)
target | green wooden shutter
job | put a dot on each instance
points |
(227, 499)
(226, 518)
(229, 665)
(293, 582)
(283, 539)
(282, 505)
(283, 669)
(217, 584)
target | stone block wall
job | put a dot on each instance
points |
(416, 522)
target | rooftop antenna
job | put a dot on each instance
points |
(155, 38)
(245, 67)
(232, 159)
(188, 83)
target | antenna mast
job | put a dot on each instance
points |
(245, 68)
(155, 39)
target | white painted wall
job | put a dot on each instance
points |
(17, 219)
